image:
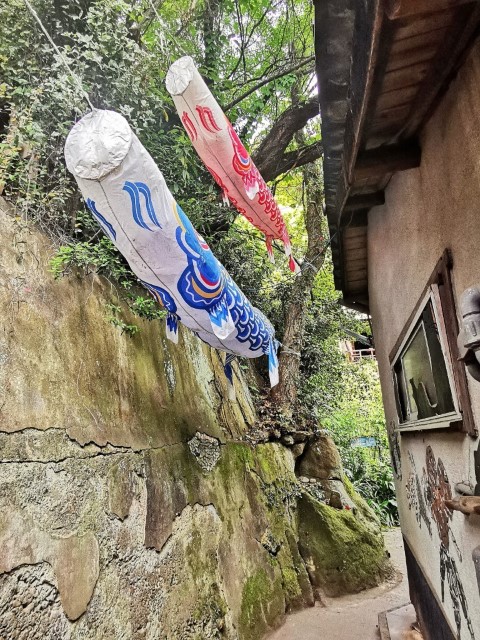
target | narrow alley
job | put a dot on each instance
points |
(239, 320)
(355, 617)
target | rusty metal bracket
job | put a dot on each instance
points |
(465, 504)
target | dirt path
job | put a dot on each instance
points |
(352, 617)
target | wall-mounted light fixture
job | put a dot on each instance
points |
(469, 336)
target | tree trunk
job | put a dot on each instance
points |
(286, 392)
(271, 157)
(211, 34)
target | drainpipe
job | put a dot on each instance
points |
(469, 336)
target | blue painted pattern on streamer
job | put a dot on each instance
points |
(162, 295)
(106, 226)
(202, 282)
(172, 322)
(251, 324)
(205, 274)
(134, 189)
(272, 355)
(227, 367)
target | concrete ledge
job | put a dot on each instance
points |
(394, 623)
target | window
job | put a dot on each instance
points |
(423, 384)
(430, 384)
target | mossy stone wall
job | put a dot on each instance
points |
(132, 507)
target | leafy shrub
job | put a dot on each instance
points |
(358, 411)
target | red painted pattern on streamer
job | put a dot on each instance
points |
(222, 186)
(202, 242)
(251, 176)
(207, 119)
(189, 126)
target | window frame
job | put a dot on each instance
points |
(440, 291)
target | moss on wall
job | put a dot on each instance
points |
(262, 604)
(342, 553)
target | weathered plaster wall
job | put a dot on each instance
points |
(131, 504)
(427, 210)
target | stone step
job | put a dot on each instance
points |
(397, 623)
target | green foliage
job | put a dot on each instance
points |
(103, 259)
(115, 319)
(146, 308)
(358, 411)
(323, 364)
(376, 485)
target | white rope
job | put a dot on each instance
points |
(75, 78)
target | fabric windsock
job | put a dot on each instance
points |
(224, 155)
(127, 194)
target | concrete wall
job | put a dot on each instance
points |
(427, 210)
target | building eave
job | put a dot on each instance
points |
(382, 67)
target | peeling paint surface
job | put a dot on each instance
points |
(477, 470)
(416, 491)
(476, 560)
(395, 451)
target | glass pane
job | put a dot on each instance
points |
(437, 362)
(418, 374)
(422, 384)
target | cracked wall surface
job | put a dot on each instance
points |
(132, 505)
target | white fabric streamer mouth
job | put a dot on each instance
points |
(97, 144)
(180, 75)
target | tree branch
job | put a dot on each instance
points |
(187, 19)
(271, 158)
(273, 167)
(261, 84)
(245, 43)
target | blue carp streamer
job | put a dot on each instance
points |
(127, 194)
